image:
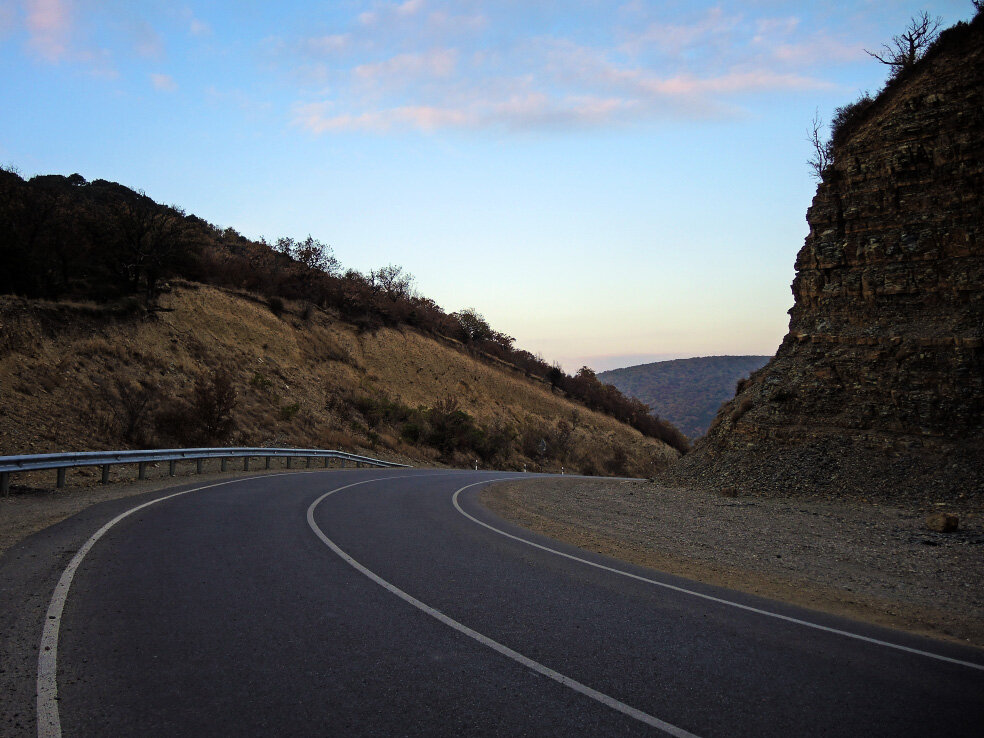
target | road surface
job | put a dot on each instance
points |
(388, 602)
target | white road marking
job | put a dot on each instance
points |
(49, 720)
(483, 639)
(719, 600)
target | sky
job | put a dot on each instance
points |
(610, 183)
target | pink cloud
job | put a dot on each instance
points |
(8, 17)
(198, 27)
(49, 23)
(671, 38)
(316, 117)
(684, 70)
(454, 25)
(520, 112)
(402, 67)
(329, 44)
(766, 29)
(163, 82)
(146, 41)
(416, 21)
(410, 7)
(732, 83)
(817, 49)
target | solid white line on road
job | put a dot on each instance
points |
(49, 720)
(719, 600)
(483, 639)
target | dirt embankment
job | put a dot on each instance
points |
(873, 563)
(85, 377)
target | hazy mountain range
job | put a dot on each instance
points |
(686, 392)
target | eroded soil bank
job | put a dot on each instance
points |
(872, 563)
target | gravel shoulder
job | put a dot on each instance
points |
(863, 561)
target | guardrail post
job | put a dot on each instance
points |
(171, 467)
(5, 483)
(289, 460)
(267, 462)
(142, 470)
(225, 463)
(105, 474)
(245, 463)
(307, 462)
(61, 478)
(198, 466)
(326, 462)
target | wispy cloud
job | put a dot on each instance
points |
(163, 82)
(236, 98)
(402, 68)
(147, 42)
(8, 17)
(198, 27)
(332, 43)
(49, 23)
(428, 65)
(712, 29)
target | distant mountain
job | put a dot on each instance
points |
(686, 392)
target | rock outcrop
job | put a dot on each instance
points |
(879, 385)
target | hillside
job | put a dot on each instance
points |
(686, 392)
(214, 366)
(878, 388)
(105, 245)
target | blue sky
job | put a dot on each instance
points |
(609, 182)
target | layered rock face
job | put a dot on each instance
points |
(879, 384)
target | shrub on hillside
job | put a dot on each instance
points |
(846, 119)
(205, 418)
(124, 409)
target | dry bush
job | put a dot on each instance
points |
(206, 417)
(287, 412)
(743, 407)
(96, 346)
(123, 409)
(617, 461)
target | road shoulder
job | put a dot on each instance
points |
(866, 562)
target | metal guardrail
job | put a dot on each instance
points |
(106, 459)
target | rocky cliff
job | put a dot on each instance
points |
(879, 385)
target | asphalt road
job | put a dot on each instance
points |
(375, 602)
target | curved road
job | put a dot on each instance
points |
(388, 602)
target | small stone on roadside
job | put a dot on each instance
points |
(943, 522)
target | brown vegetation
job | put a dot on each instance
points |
(66, 238)
(213, 366)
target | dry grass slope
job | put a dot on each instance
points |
(61, 366)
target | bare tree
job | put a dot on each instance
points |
(315, 255)
(391, 280)
(821, 157)
(310, 252)
(908, 47)
(125, 407)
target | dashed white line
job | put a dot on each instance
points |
(529, 663)
(719, 600)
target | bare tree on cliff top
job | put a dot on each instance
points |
(822, 150)
(908, 47)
